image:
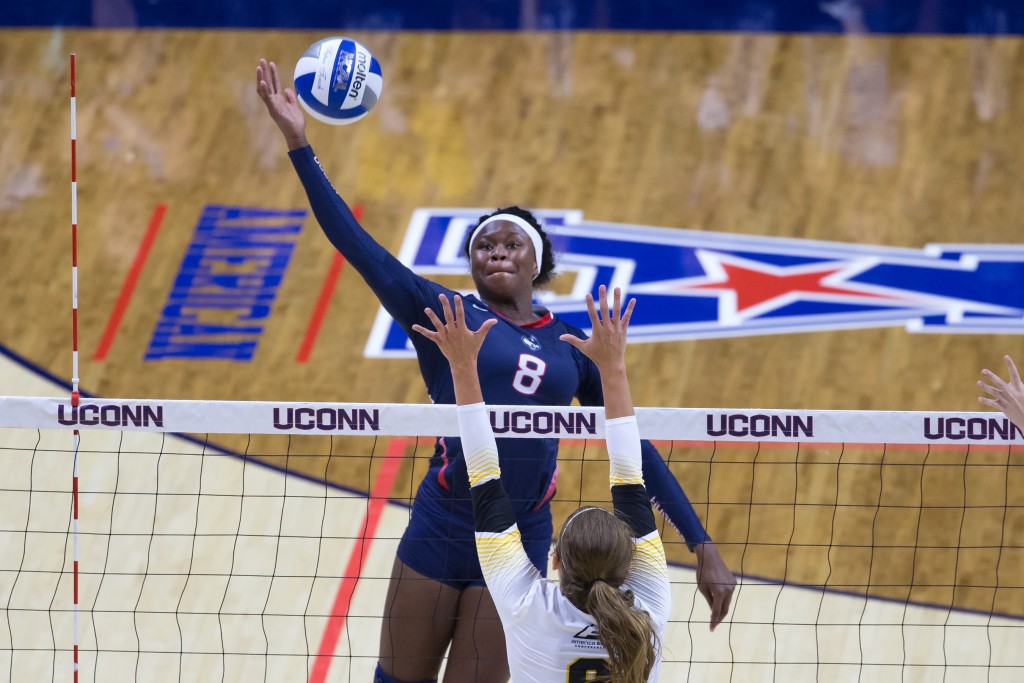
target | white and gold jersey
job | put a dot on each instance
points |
(548, 638)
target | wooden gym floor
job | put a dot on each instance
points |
(893, 141)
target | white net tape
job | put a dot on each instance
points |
(681, 424)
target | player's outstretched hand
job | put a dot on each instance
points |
(607, 343)
(715, 582)
(282, 104)
(459, 344)
(1006, 396)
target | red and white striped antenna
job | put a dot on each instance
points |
(74, 349)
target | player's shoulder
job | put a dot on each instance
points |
(422, 290)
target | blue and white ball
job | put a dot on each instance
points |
(338, 80)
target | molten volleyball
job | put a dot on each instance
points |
(338, 80)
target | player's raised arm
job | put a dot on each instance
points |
(607, 348)
(401, 292)
(648, 572)
(715, 581)
(507, 568)
(461, 346)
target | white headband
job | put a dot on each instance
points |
(580, 511)
(531, 232)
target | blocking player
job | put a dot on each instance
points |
(607, 614)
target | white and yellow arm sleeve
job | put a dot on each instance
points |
(625, 461)
(478, 445)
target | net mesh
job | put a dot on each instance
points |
(200, 559)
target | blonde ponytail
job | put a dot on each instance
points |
(627, 633)
(595, 552)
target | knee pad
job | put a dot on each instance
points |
(380, 677)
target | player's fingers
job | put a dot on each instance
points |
(721, 607)
(591, 310)
(486, 325)
(617, 303)
(446, 308)
(460, 312)
(629, 312)
(263, 89)
(716, 613)
(433, 318)
(1014, 375)
(993, 377)
(268, 76)
(429, 334)
(275, 82)
(705, 590)
(727, 593)
(602, 292)
(572, 339)
(989, 402)
(987, 388)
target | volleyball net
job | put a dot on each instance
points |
(254, 541)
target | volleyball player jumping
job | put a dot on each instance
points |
(607, 614)
(436, 596)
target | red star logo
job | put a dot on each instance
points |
(754, 286)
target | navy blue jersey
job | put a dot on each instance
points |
(518, 365)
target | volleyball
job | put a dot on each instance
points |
(338, 80)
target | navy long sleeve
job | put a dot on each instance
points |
(389, 278)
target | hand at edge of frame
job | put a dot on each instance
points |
(1005, 396)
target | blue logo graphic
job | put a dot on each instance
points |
(227, 283)
(697, 285)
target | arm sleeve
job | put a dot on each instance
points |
(507, 569)
(668, 496)
(648, 573)
(665, 492)
(401, 292)
(629, 497)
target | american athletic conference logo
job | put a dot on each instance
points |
(587, 638)
(695, 285)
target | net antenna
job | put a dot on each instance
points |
(76, 437)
